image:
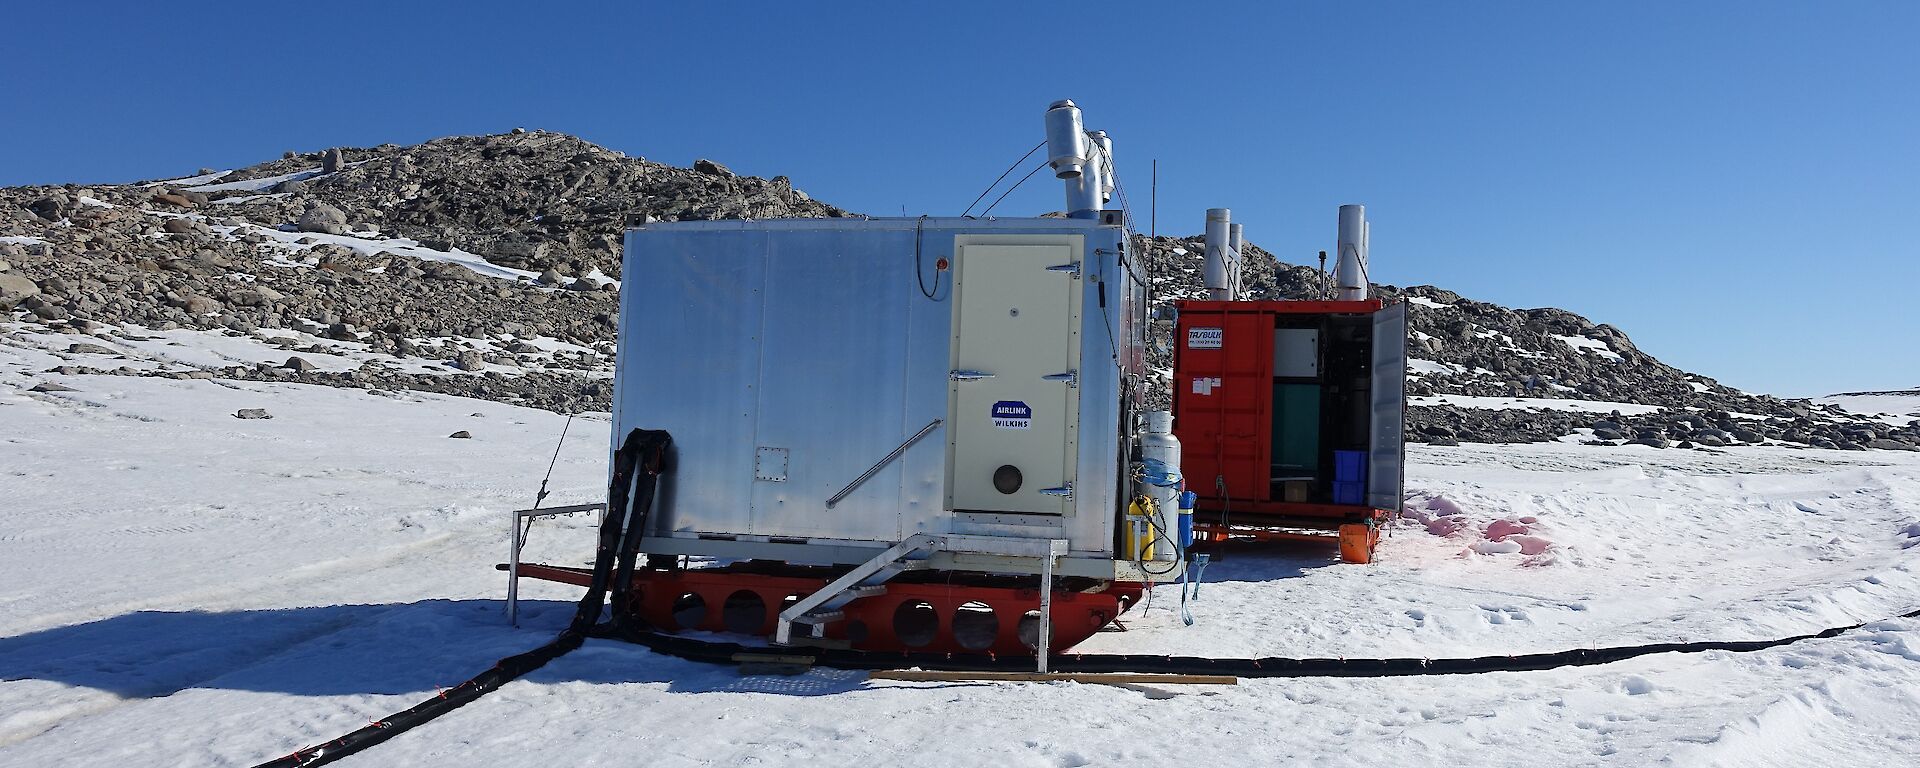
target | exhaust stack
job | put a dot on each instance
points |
(1103, 162)
(1083, 161)
(1350, 272)
(1237, 243)
(1223, 259)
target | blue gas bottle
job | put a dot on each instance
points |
(1187, 500)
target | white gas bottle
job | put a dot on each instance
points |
(1158, 445)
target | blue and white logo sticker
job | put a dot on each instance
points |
(1012, 414)
(1205, 338)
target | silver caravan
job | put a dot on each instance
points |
(836, 386)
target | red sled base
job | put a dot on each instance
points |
(933, 612)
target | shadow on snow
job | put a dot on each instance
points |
(354, 649)
(417, 647)
(1258, 561)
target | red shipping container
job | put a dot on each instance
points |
(1223, 399)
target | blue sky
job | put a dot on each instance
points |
(1736, 185)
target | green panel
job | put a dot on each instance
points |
(1296, 428)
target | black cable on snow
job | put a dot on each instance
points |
(637, 468)
(722, 653)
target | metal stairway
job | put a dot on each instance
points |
(865, 580)
(870, 578)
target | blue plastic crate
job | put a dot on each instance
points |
(1353, 492)
(1349, 466)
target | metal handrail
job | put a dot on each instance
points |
(884, 461)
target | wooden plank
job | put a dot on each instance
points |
(772, 658)
(752, 664)
(1101, 678)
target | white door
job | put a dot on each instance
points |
(1014, 406)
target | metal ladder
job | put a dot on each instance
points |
(867, 579)
(870, 578)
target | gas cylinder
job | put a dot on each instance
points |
(1159, 447)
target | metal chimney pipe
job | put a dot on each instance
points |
(1103, 162)
(1236, 242)
(1074, 158)
(1066, 140)
(1350, 272)
(1220, 265)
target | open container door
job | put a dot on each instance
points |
(1386, 478)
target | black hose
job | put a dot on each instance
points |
(646, 461)
(637, 468)
(722, 653)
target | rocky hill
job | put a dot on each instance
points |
(1481, 372)
(487, 266)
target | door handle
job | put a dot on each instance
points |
(1064, 492)
(968, 375)
(1072, 378)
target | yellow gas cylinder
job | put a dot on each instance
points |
(1138, 538)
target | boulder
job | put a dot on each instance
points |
(252, 413)
(462, 434)
(320, 217)
(469, 360)
(14, 288)
(712, 168)
(200, 305)
(299, 364)
(332, 161)
(53, 207)
(253, 296)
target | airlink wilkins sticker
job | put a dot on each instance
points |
(1012, 414)
(1203, 338)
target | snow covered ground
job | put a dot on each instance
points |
(188, 349)
(1893, 408)
(1533, 404)
(187, 588)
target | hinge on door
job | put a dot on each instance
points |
(1072, 378)
(1071, 268)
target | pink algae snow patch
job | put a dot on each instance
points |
(1530, 545)
(1516, 535)
(1500, 529)
(1441, 516)
(1445, 526)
